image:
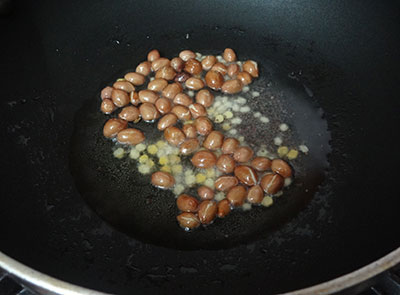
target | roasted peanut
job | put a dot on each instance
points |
(246, 175)
(271, 183)
(213, 140)
(188, 220)
(160, 63)
(189, 146)
(124, 85)
(225, 183)
(153, 55)
(157, 85)
(185, 55)
(177, 64)
(163, 105)
(251, 67)
(244, 77)
(229, 55)
(148, 96)
(166, 121)
(135, 78)
(193, 66)
(281, 167)
(129, 113)
(255, 194)
(174, 135)
(113, 126)
(243, 154)
(197, 110)
(144, 68)
(230, 145)
(172, 90)
(107, 106)
(106, 92)
(194, 83)
(208, 62)
(130, 136)
(162, 179)
(204, 159)
(214, 80)
(220, 68)
(148, 112)
(261, 164)
(187, 203)
(167, 73)
(182, 112)
(224, 208)
(207, 211)
(203, 125)
(134, 98)
(189, 130)
(120, 98)
(183, 99)
(182, 77)
(205, 193)
(237, 195)
(232, 86)
(233, 70)
(225, 164)
(205, 97)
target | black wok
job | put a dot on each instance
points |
(59, 184)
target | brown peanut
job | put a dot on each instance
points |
(205, 193)
(174, 135)
(182, 112)
(144, 68)
(160, 63)
(134, 98)
(187, 203)
(225, 164)
(124, 85)
(244, 77)
(167, 73)
(193, 66)
(166, 121)
(188, 220)
(271, 183)
(213, 140)
(229, 55)
(243, 154)
(163, 105)
(113, 126)
(230, 145)
(194, 83)
(177, 64)
(203, 125)
(182, 77)
(185, 55)
(106, 92)
(233, 70)
(214, 80)
(135, 78)
(148, 112)
(120, 98)
(107, 106)
(157, 85)
(197, 110)
(205, 97)
(204, 159)
(148, 96)
(208, 62)
(189, 130)
(129, 113)
(207, 211)
(225, 183)
(189, 146)
(281, 167)
(130, 136)
(220, 68)
(261, 164)
(255, 194)
(237, 195)
(246, 175)
(251, 67)
(183, 99)
(153, 55)
(172, 90)
(162, 179)
(224, 208)
(232, 86)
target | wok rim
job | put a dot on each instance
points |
(36, 279)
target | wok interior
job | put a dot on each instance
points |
(67, 54)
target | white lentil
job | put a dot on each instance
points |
(264, 120)
(152, 78)
(262, 152)
(278, 194)
(277, 141)
(219, 196)
(219, 119)
(246, 206)
(257, 114)
(236, 121)
(239, 63)
(140, 147)
(220, 58)
(209, 182)
(119, 153)
(228, 114)
(144, 169)
(241, 100)
(235, 108)
(232, 131)
(255, 94)
(241, 138)
(245, 109)
(178, 189)
(283, 127)
(246, 89)
(134, 154)
(267, 201)
(191, 93)
(287, 181)
(190, 179)
(303, 148)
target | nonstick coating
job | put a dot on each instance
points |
(56, 56)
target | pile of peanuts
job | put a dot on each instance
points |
(245, 177)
